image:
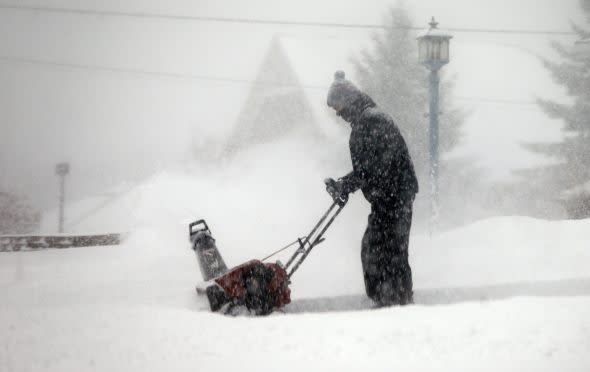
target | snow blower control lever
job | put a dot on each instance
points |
(313, 239)
(259, 286)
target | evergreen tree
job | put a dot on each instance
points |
(571, 155)
(390, 73)
(16, 215)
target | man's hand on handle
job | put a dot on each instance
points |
(337, 191)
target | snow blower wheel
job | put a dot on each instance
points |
(258, 297)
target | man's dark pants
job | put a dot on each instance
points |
(384, 254)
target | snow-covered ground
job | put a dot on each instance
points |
(509, 293)
(489, 297)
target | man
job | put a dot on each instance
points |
(383, 170)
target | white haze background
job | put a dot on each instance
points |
(507, 293)
(120, 128)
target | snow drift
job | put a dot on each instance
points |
(132, 308)
(509, 293)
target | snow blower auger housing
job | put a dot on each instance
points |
(259, 286)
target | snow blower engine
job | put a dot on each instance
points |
(259, 286)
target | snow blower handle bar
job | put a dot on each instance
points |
(311, 240)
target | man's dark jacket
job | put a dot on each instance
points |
(382, 167)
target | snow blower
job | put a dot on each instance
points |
(259, 286)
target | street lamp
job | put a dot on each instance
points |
(62, 169)
(433, 52)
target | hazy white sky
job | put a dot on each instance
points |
(117, 126)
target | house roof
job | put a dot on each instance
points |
(289, 93)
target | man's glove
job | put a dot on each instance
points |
(336, 191)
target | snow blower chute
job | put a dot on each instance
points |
(259, 286)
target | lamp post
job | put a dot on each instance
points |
(62, 169)
(433, 52)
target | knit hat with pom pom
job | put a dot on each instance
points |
(342, 92)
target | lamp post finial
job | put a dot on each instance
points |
(433, 23)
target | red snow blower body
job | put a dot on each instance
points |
(260, 287)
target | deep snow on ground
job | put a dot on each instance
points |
(133, 308)
(508, 293)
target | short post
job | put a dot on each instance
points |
(62, 169)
